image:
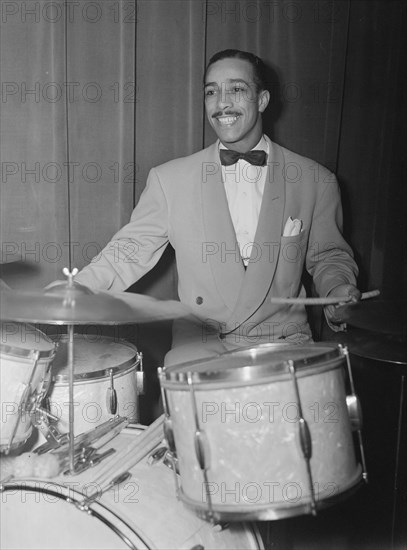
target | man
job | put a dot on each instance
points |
(242, 232)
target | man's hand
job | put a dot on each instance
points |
(344, 291)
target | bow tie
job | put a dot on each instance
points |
(229, 157)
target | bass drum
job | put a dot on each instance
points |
(142, 513)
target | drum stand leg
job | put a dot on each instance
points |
(357, 412)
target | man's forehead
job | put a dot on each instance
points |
(229, 70)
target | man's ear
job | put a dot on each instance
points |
(264, 98)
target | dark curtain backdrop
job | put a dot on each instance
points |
(96, 93)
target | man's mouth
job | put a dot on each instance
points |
(227, 120)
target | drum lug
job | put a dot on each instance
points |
(111, 395)
(140, 375)
(202, 449)
(157, 455)
(46, 384)
(172, 463)
(355, 412)
(304, 436)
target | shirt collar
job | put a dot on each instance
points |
(262, 144)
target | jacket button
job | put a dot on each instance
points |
(199, 300)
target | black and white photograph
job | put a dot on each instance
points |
(203, 274)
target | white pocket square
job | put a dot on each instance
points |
(292, 227)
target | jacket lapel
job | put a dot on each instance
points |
(262, 266)
(221, 244)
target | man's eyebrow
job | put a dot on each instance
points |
(229, 81)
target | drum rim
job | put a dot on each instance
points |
(251, 513)
(247, 373)
(101, 374)
(14, 350)
(70, 496)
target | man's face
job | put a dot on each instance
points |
(233, 106)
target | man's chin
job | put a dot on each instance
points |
(228, 138)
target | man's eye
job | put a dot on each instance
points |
(237, 89)
(210, 92)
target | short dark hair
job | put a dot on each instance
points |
(259, 68)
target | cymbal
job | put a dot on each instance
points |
(384, 317)
(66, 304)
(370, 345)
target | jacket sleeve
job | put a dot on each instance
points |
(134, 249)
(329, 258)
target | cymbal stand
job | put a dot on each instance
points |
(71, 401)
(70, 349)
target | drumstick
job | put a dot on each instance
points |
(136, 451)
(322, 301)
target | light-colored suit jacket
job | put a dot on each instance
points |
(184, 203)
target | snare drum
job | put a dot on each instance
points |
(105, 381)
(25, 357)
(239, 424)
(141, 513)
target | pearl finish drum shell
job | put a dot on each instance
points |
(18, 345)
(94, 358)
(144, 509)
(250, 430)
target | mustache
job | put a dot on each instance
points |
(225, 113)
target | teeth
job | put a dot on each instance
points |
(227, 119)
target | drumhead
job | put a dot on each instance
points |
(20, 340)
(143, 513)
(253, 364)
(94, 357)
(66, 525)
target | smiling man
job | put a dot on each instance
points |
(234, 101)
(245, 217)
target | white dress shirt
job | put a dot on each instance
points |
(244, 186)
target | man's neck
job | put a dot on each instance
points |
(242, 148)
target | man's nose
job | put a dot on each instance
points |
(225, 98)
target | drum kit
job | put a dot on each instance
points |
(261, 433)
